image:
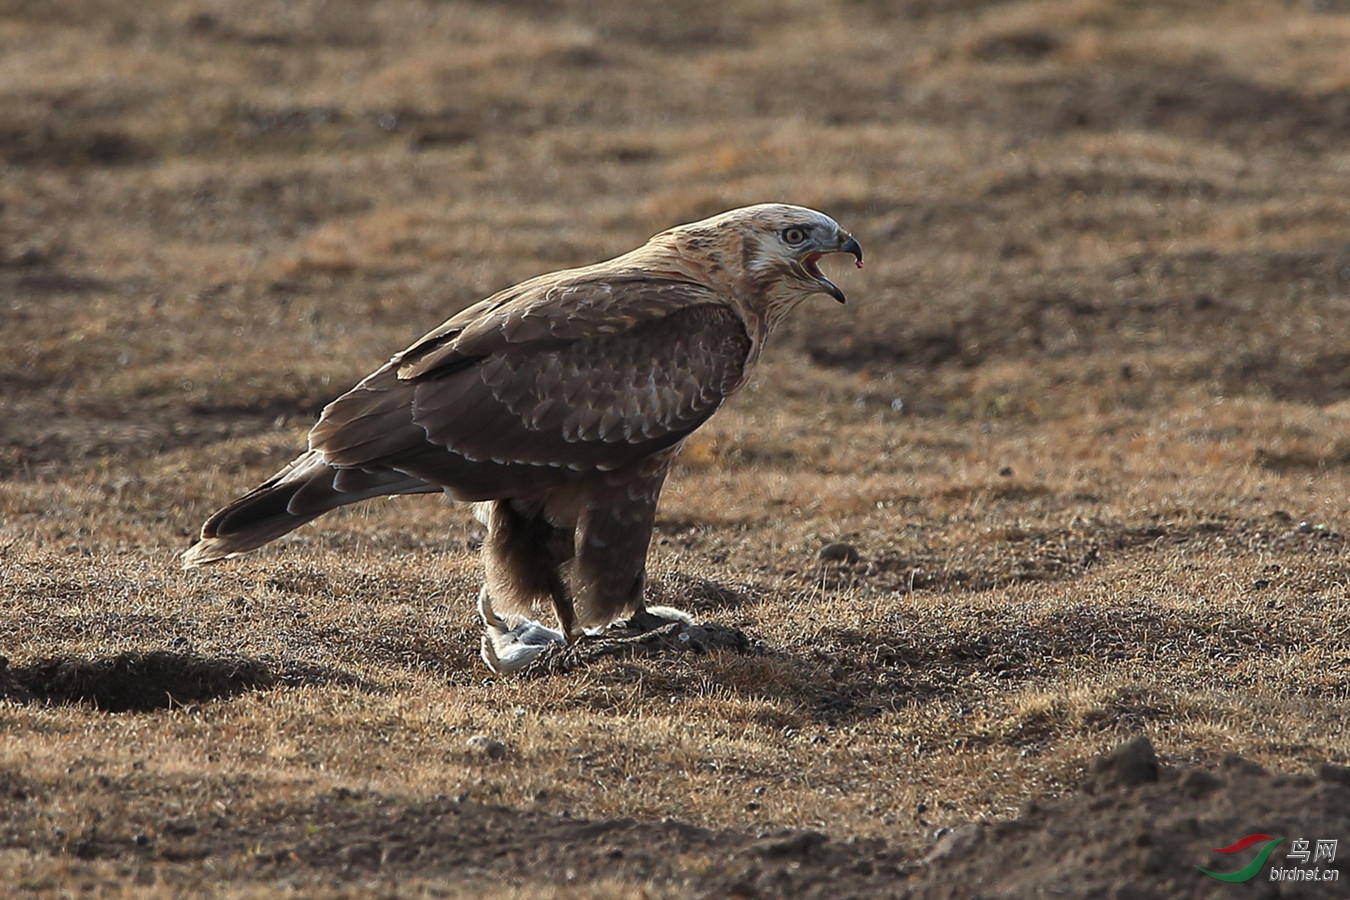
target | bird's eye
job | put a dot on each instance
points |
(794, 235)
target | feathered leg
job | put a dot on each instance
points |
(609, 575)
(523, 559)
(593, 574)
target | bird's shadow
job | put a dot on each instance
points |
(697, 596)
(622, 642)
(702, 599)
(156, 680)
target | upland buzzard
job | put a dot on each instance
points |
(557, 407)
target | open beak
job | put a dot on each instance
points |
(851, 245)
(847, 244)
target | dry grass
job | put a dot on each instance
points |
(1084, 419)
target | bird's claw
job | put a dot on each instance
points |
(654, 617)
(508, 648)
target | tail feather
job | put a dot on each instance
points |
(299, 493)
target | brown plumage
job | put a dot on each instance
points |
(558, 405)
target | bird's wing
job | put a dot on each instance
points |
(550, 311)
(558, 382)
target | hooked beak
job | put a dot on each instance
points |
(847, 244)
(851, 245)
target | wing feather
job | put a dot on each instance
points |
(544, 388)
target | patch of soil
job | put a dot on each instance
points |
(1192, 100)
(1196, 296)
(163, 679)
(1321, 379)
(143, 682)
(1137, 829)
(920, 661)
(695, 595)
(46, 147)
(1022, 556)
(39, 435)
(354, 836)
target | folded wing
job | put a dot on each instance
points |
(553, 386)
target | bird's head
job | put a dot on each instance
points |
(778, 248)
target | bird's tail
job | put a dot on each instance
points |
(299, 493)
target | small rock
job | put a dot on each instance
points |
(481, 743)
(838, 553)
(1131, 764)
(1304, 528)
(956, 844)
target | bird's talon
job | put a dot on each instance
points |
(654, 617)
(507, 648)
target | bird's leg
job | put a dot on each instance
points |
(609, 574)
(646, 618)
(650, 618)
(522, 559)
(563, 605)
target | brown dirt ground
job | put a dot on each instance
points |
(1085, 425)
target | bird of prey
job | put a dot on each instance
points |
(557, 407)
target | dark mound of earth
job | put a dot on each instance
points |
(145, 682)
(1140, 830)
